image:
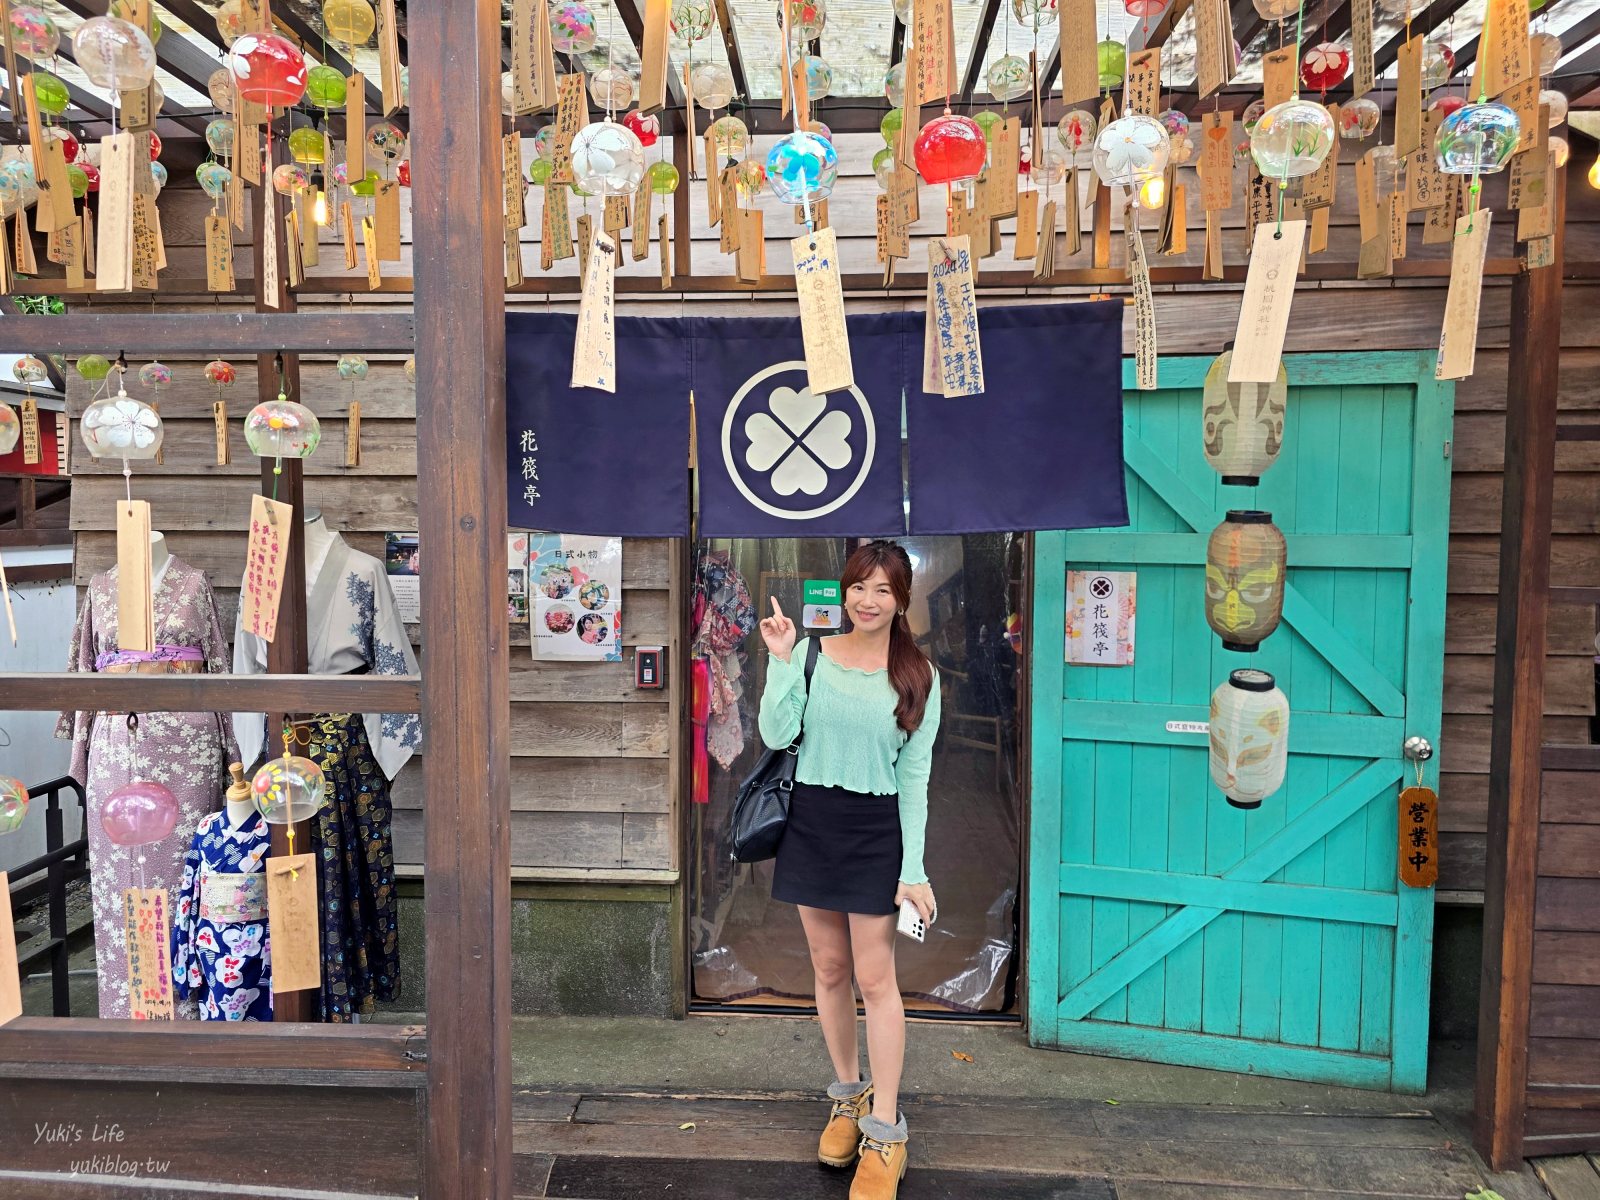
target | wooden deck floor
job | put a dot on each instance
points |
(1570, 1176)
(582, 1146)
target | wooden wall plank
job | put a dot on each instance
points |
(1469, 626)
(1469, 684)
(575, 840)
(1572, 797)
(1569, 850)
(646, 840)
(581, 730)
(1567, 1062)
(624, 785)
(1563, 957)
(1570, 904)
(1565, 1012)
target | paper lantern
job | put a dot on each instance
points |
(1130, 150)
(349, 22)
(10, 428)
(282, 429)
(1076, 131)
(289, 790)
(34, 35)
(691, 20)
(572, 29)
(121, 427)
(1324, 66)
(1243, 423)
(139, 814)
(1292, 139)
(646, 127)
(663, 178)
(802, 167)
(713, 85)
(894, 85)
(1009, 77)
(1477, 139)
(950, 149)
(611, 88)
(267, 69)
(1111, 60)
(114, 54)
(607, 159)
(1246, 562)
(1249, 735)
(325, 87)
(13, 802)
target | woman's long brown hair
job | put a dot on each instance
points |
(909, 669)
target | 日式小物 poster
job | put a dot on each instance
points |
(575, 583)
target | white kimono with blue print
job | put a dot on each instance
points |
(353, 621)
(220, 954)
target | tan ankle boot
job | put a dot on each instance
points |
(884, 1160)
(840, 1139)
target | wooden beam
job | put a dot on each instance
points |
(1162, 30)
(730, 43)
(466, 708)
(319, 333)
(48, 691)
(980, 47)
(1517, 736)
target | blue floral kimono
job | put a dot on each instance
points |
(220, 951)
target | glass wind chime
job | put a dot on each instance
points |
(607, 155)
(802, 165)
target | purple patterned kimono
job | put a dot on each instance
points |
(186, 752)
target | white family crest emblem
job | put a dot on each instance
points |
(801, 446)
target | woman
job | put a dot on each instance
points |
(852, 850)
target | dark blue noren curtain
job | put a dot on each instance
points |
(1041, 447)
(776, 461)
(586, 461)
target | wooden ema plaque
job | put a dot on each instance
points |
(822, 329)
(264, 560)
(135, 620)
(10, 978)
(148, 928)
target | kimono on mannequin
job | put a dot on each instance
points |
(187, 753)
(353, 627)
(220, 951)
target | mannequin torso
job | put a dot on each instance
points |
(318, 538)
(159, 554)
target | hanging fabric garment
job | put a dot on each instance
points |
(221, 955)
(727, 619)
(187, 753)
(353, 626)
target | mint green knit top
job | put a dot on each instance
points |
(852, 739)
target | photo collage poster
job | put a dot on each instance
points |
(517, 576)
(576, 586)
(401, 565)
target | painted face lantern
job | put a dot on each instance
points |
(1243, 423)
(1246, 562)
(1249, 737)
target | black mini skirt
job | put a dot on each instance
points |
(840, 851)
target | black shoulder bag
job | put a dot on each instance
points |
(761, 809)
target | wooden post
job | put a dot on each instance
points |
(466, 709)
(1517, 739)
(682, 231)
(287, 653)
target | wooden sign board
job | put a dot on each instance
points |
(135, 614)
(1141, 88)
(1458, 339)
(10, 977)
(955, 314)
(822, 328)
(292, 923)
(1280, 73)
(1408, 98)
(1080, 71)
(1144, 310)
(571, 111)
(1213, 34)
(114, 252)
(594, 353)
(264, 562)
(933, 28)
(1216, 161)
(147, 927)
(1505, 56)
(1362, 67)
(1268, 295)
(1419, 837)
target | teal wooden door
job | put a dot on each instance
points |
(1164, 924)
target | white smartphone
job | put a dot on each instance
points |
(911, 923)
